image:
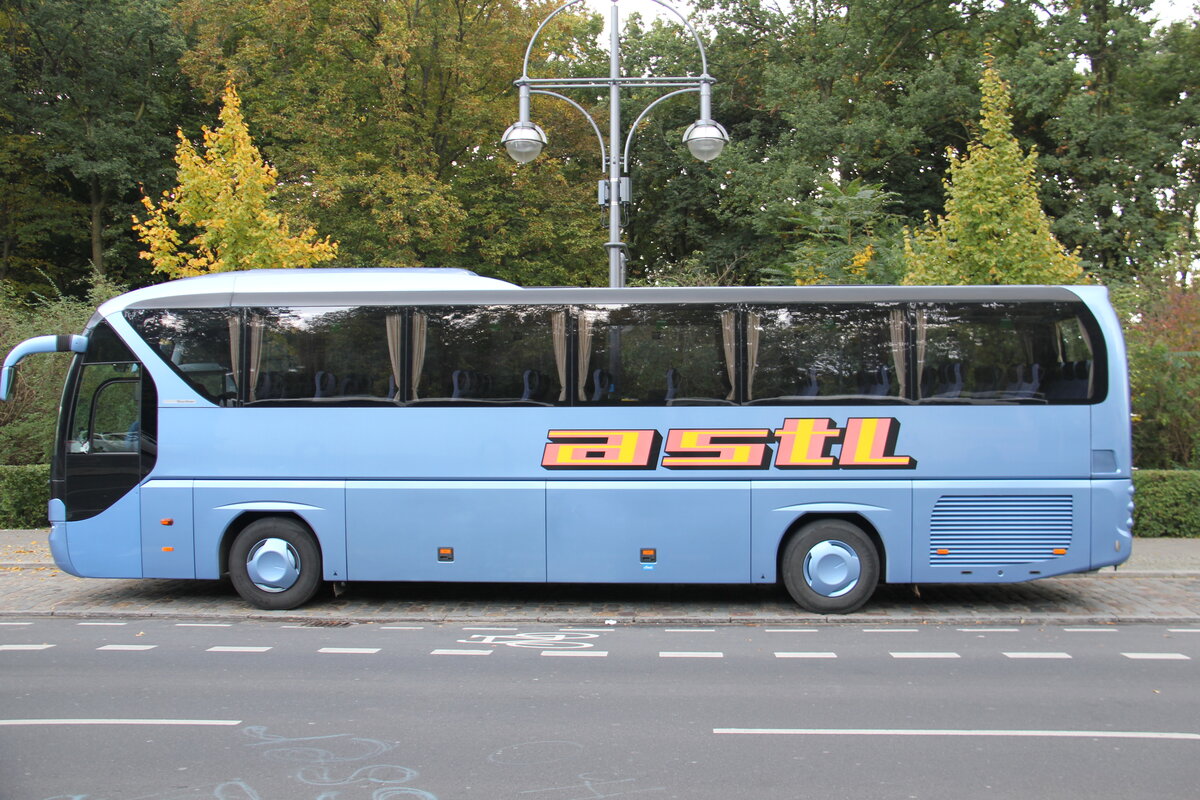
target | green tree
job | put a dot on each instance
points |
(994, 229)
(384, 119)
(844, 234)
(97, 87)
(27, 421)
(225, 195)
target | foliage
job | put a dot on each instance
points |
(224, 193)
(24, 494)
(384, 121)
(845, 234)
(1163, 338)
(994, 229)
(1167, 503)
(27, 421)
(92, 93)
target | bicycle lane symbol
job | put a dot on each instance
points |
(548, 640)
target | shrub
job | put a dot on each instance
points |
(24, 492)
(1167, 502)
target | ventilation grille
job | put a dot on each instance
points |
(970, 531)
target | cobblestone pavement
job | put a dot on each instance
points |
(1161, 584)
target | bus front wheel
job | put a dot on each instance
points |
(275, 564)
(830, 567)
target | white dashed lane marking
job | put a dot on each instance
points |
(220, 649)
(132, 648)
(925, 655)
(1037, 655)
(689, 654)
(1157, 656)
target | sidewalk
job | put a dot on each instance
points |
(1160, 583)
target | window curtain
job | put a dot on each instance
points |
(921, 325)
(420, 327)
(395, 327)
(585, 352)
(899, 362)
(254, 331)
(753, 338)
(558, 329)
(729, 346)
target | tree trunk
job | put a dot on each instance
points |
(97, 207)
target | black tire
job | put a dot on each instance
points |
(838, 549)
(276, 541)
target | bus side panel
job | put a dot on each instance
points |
(321, 504)
(168, 549)
(108, 545)
(699, 530)
(496, 530)
(1000, 531)
(885, 505)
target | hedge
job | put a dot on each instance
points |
(1167, 501)
(24, 492)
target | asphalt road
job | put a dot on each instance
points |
(178, 710)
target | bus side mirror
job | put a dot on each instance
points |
(38, 344)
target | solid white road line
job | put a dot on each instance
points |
(203, 624)
(103, 624)
(989, 630)
(947, 732)
(889, 630)
(222, 722)
(1089, 630)
(14, 624)
(1157, 656)
(461, 653)
(689, 630)
(350, 650)
(1037, 655)
(791, 630)
(577, 653)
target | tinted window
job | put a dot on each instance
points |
(1005, 352)
(198, 343)
(657, 355)
(322, 355)
(511, 355)
(825, 353)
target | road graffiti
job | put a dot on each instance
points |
(549, 640)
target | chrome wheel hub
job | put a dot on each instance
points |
(832, 568)
(273, 565)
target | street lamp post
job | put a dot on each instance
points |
(704, 138)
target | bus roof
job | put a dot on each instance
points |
(379, 286)
(301, 287)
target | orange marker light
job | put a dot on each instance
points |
(943, 551)
(1059, 551)
(168, 549)
(168, 522)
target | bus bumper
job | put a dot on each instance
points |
(57, 512)
(1112, 522)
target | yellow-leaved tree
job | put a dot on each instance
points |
(994, 230)
(224, 203)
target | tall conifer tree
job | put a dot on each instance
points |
(994, 230)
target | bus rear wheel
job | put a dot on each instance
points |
(830, 566)
(275, 564)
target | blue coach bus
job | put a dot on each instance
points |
(292, 428)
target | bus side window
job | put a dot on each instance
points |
(108, 410)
